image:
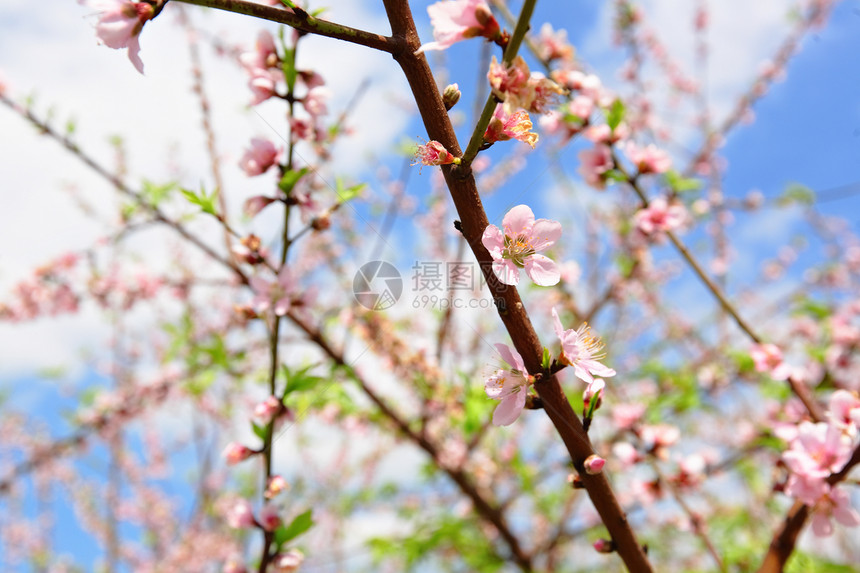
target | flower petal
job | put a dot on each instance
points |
(559, 329)
(507, 272)
(518, 220)
(511, 356)
(545, 233)
(509, 409)
(494, 241)
(542, 270)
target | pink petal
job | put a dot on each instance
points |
(821, 525)
(582, 373)
(559, 329)
(509, 409)
(542, 270)
(134, 53)
(545, 233)
(507, 272)
(494, 241)
(518, 220)
(596, 367)
(511, 356)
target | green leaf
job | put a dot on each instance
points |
(154, 193)
(288, 3)
(290, 178)
(348, 193)
(285, 534)
(615, 114)
(259, 431)
(796, 193)
(288, 64)
(615, 175)
(299, 380)
(680, 184)
(546, 361)
(205, 202)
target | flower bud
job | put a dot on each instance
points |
(451, 96)
(235, 453)
(594, 464)
(604, 546)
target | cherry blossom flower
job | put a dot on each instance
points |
(625, 416)
(581, 349)
(240, 514)
(288, 562)
(270, 519)
(434, 153)
(236, 452)
(259, 157)
(553, 45)
(658, 217)
(457, 20)
(508, 385)
(594, 389)
(120, 23)
(517, 247)
(768, 358)
(648, 159)
(505, 126)
(276, 485)
(263, 84)
(819, 450)
(518, 88)
(267, 409)
(845, 411)
(263, 56)
(594, 163)
(315, 101)
(275, 295)
(836, 504)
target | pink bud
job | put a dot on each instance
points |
(236, 452)
(288, 562)
(259, 157)
(604, 546)
(267, 409)
(269, 518)
(277, 484)
(594, 464)
(255, 204)
(240, 515)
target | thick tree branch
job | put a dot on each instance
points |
(301, 20)
(511, 310)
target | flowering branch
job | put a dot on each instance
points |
(301, 20)
(473, 219)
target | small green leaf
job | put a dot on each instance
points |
(348, 193)
(547, 359)
(290, 178)
(259, 431)
(285, 534)
(615, 114)
(679, 183)
(288, 3)
(289, 66)
(205, 202)
(155, 194)
(797, 193)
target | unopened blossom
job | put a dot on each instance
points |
(649, 159)
(582, 349)
(604, 546)
(253, 205)
(836, 504)
(288, 562)
(517, 247)
(236, 452)
(120, 23)
(275, 295)
(505, 126)
(267, 409)
(457, 20)
(315, 101)
(768, 359)
(240, 514)
(451, 95)
(276, 485)
(270, 518)
(258, 158)
(659, 217)
(509, 385)
(594, 164)
(594, 464)
(434, 153)
(593, 390)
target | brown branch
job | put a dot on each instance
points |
(485, 509)
(473, 218)
(785, 539)
(301, 20)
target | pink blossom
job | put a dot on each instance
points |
(625, 416)
(517, 247)
(434, 153)
(768, 358)
(594, 389)
(263, 56)
(657, 437)
(626, 453)
(581, 349)
(263, 84)
(236, 452)
(276, 485)
(120, 23)
(276, 295)
(234, 565)
(505, 126)
(267, 409)
(508, 385)
(253, 205)
(819, 450)
(288, 562)
(659, 217)
(845, 410)
(520, 89)
(457, 20)
(836, 503)
(602, 133)
(648, 159)
(553, 45)
(259, 157)
(594, 464)
(315, 101)
(240, 515)
(594, 163)
(269, 518)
